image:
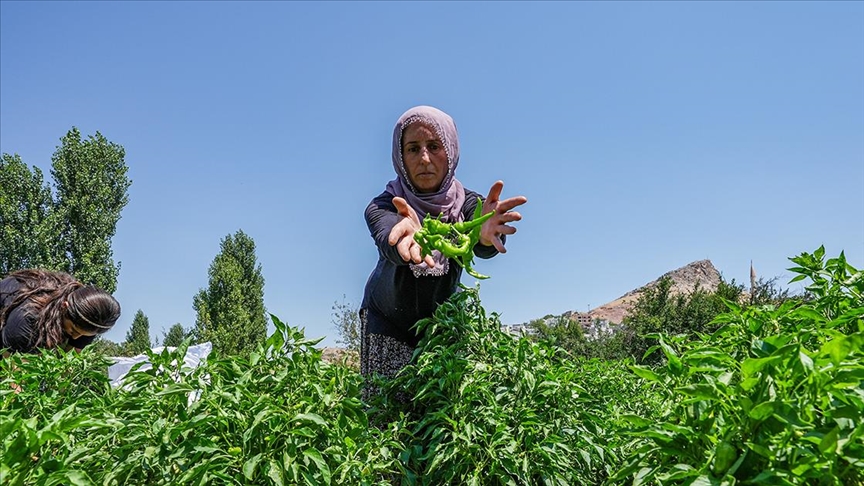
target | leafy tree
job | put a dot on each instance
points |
(568, 334)
(230, 312)
(106, 347)
(25, 207)
(346, 318)
(175, 335)
(659, 310)
(769, 292)
(138, 336)
(92, 189)
(561, 331)
(71, 230)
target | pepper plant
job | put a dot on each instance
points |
(491, 409)
(774, 396)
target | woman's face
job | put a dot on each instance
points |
(72, 331)
(424, 157)
(69, 328)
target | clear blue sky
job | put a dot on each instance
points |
(645, 136)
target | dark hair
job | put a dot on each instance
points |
(92, 309)
(43, 293)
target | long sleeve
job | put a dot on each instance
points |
(381, 217)
(18, 334)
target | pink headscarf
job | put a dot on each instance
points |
(450, 197)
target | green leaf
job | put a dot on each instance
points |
(674, 362)
(315, 456)
(175, 389)
(636, 420)
(699, 390)
(703, 481)
(749, 383)
(829, 442)
(274, 472)
(77, 478)
(762, 411)
(761, 450)
(837, 348)
(250, 466)
(751, 366)
(645, 372)
(310, 417)
(642, 476)
(806, 361)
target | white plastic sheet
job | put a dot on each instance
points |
(194, 356)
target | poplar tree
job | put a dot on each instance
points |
(71, 229)
(138, 336)
(175, 335)
(25, 207)
(230, 311)
(92, 187)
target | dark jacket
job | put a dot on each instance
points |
(19, 334)
(394, 299)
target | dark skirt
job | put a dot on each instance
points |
(381, 355)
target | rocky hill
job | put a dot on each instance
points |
(684, 280)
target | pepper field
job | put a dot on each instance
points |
(774, 396)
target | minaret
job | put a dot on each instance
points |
(752, 278)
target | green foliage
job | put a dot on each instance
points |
(560, 331)
(567, 333)
(278, 416)
(658, 309)
(138, 337)
(176, 335)
(490, 409)
(346, 318)
(92, 186)
(774, 396)
(71, 232)
(105, 347)
(768, 292)
(230, 312)
(25, 207)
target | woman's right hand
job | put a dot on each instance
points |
(402, 234)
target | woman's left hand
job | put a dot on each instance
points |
(494, 227)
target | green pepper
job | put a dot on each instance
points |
(453, 240)
(435, 226)
(465, 226)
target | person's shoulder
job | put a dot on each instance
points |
(9, 285)
(382, 201)
(378, 207)
(383, 197)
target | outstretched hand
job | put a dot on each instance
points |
(491, 231)
(402, 234)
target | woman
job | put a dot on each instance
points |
(40, 309)
(405, 286)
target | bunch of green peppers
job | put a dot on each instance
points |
(454, 240)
